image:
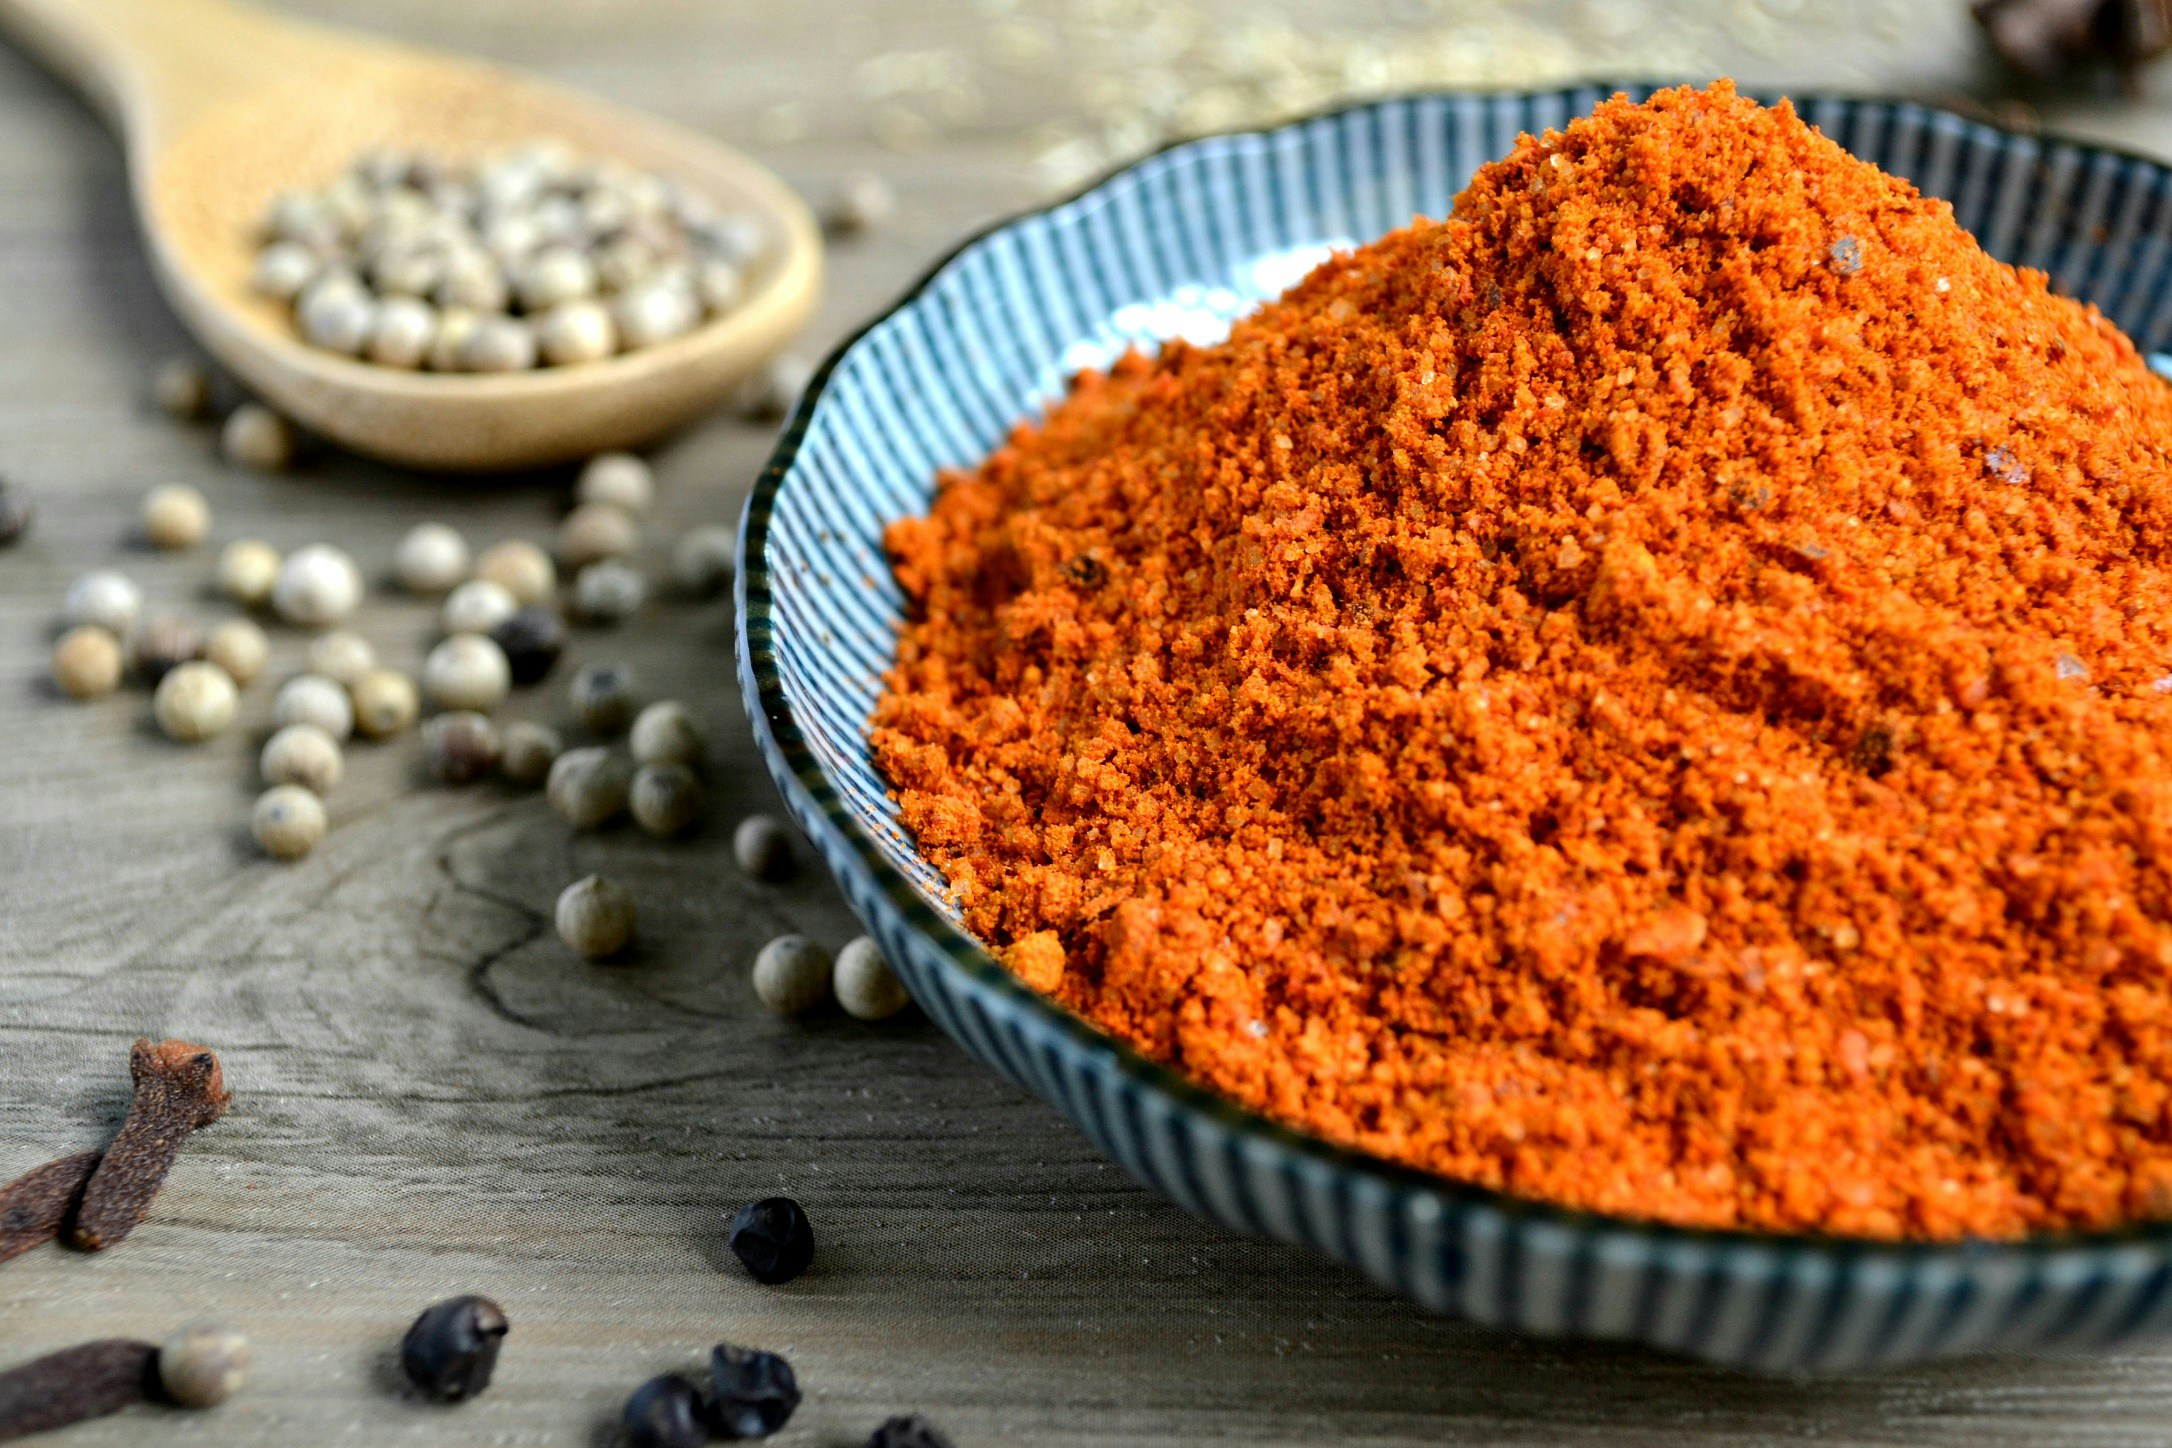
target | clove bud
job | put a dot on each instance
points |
(35, 1206)
(89, 1380)
(178, 1089)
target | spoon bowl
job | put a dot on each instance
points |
(222, 107)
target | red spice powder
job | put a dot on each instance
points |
(1651, 693)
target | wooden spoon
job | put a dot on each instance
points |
(222, 107)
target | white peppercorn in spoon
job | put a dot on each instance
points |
(221, 107)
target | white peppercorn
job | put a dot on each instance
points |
(431, 558)
(284, 270)
(603, 698)
(181, 388)
(577, 331)
(341, 656)
(247, 571)
(336, 313)
(203, 1364)
(175, 516)
(467, 671)
(407, 271)
(302, 754)
(476, 607)
(703, 560)
(762, 846)
(385, 703)
(402, 333)
(498, 344)
(474, 281)
(792, 975)
(530, 750)
(653, 311)
(553, 275)
(863, 202)
(256, 437)
(665, 733)
(288, 821)
(105, 598)
(448, 346)
(194, 702)
(596, 917)
(665, 799)
(609, 592)
(618, 478)
(161, 644)
(314, 699)
(86, 662)
(521, 569)
(866, 986)
(720, 285)
(317, 586)
(589, 786)
(460, 747)
(239, 647)
(593, 532)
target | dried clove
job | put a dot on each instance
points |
(88, 1380)
(178, 1089)
(35, 1206)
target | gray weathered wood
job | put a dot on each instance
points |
(433, 1097)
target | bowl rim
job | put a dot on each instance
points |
(816, 799)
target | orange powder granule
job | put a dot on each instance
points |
(1650, 694)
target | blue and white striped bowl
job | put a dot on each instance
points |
(1179, 244)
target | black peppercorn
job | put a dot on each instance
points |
(452, 1347)
(773, 1238)
(751, 1393)
(909, 1431)
(15, 512)
(533, 638)
(665, 1412)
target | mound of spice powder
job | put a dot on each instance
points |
(1652, 693)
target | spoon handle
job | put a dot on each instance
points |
(152, 66)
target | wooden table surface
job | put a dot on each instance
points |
(433, 1097)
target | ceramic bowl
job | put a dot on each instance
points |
(1178, 245)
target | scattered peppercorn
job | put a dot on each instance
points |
(288, 821)
(603, 698)
(665, 798)
(16, 512)
(533, 637)
(593, 532)
(239, 647)
(74, 1385)
(175, 516)
(314, 699)
(619, 479)
(477, 606)
(863, 202)
(665, 733)
(772, 1239)
(385, 703)
(193, 702)
(775, 389)
(762, 846)
(460, 747)
(595, 916)
(751, 1393)
(103, 597)
(341, 656)
(589, 786)
(317, 586)
(467, 671)
(702, 562)
(430, 559)
(302, 754)
(248, 571)
(792, 975)
(521, 569)
(37, 1204)
(256, 437)
(203, 1364)
(530, 750)
(665, 1412)
(179, 1089)
(451, 1349)
(161, 644)
(908, 1431)
(609, 592)
(181, 388)
(865, 985)
(86, 662)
